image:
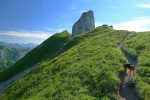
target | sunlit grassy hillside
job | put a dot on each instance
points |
(87, 69)
(138, 46)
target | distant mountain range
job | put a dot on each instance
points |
(15, 39)
(10, 53)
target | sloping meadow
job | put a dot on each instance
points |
(47, 50)
(87, 69)
(138, 46)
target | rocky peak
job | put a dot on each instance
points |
(85, 23)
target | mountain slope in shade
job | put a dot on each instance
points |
(47, 49)
(87, 68)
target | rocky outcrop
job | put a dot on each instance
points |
(85, 23)
(107, 26)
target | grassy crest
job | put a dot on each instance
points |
(138, 46)
(87, 69)
(46, 50)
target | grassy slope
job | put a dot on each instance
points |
(46, 50)
(138, 46)
(88, 70)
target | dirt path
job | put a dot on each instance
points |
(127, 90)
(7, 83)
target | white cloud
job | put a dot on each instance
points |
(49, 29)
(60, 29)
(138, 25)
(144, 5)
(98, 24)
(40, 35)
(55, 30)
(81, 11)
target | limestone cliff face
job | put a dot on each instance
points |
(85, 23)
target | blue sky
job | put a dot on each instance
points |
(42, 18)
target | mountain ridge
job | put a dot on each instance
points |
(79, 73)
(86, 67)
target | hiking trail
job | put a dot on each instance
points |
(8, 82)
(127, 90)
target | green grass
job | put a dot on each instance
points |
(87, 69)
(42, 52)
(138, 46)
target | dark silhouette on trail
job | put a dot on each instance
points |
(129, 67)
